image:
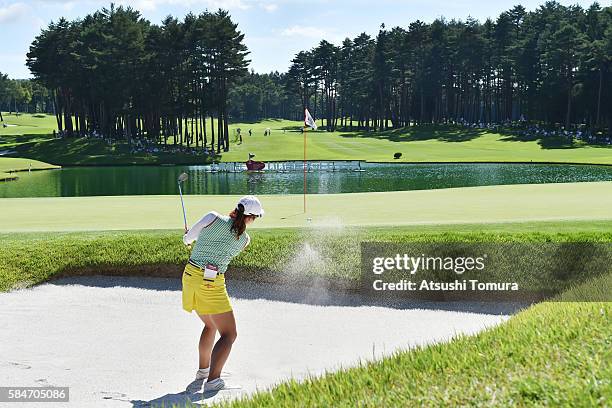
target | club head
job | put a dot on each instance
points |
(182, 177)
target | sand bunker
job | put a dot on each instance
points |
(126, 342)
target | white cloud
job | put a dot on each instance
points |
(305, 31)
(66, 6)
(13, 12)
(269, 7)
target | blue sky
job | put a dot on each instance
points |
(275, 29)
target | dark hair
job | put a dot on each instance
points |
(238, 223)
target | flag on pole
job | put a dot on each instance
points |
(308, 120)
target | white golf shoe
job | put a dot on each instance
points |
(214, 385)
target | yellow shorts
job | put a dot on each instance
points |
(203, 296)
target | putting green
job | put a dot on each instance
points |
(11, 164)
(490, 204)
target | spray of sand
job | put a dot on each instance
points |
(302, 267)
(316, 259)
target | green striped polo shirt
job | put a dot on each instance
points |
(217, 244)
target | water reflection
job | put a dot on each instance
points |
(141, 180)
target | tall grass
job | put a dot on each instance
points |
(553, 354)
(30, 258)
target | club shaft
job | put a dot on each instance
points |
(182, 204)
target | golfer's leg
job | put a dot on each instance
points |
(207, 339)
(226, 325)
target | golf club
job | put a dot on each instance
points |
(181, 178)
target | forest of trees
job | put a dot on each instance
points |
(258, 96)
(551, 66)
(115, 73)
(23, 95)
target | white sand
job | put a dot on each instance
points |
(122, 342)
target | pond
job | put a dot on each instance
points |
(143, 180)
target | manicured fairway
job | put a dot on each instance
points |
(30, 136)
(417, 144)
(422, 144)
(27, 124)
(490, 204)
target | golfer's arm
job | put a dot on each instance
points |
(204, 222)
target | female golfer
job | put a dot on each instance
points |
(218, 239)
